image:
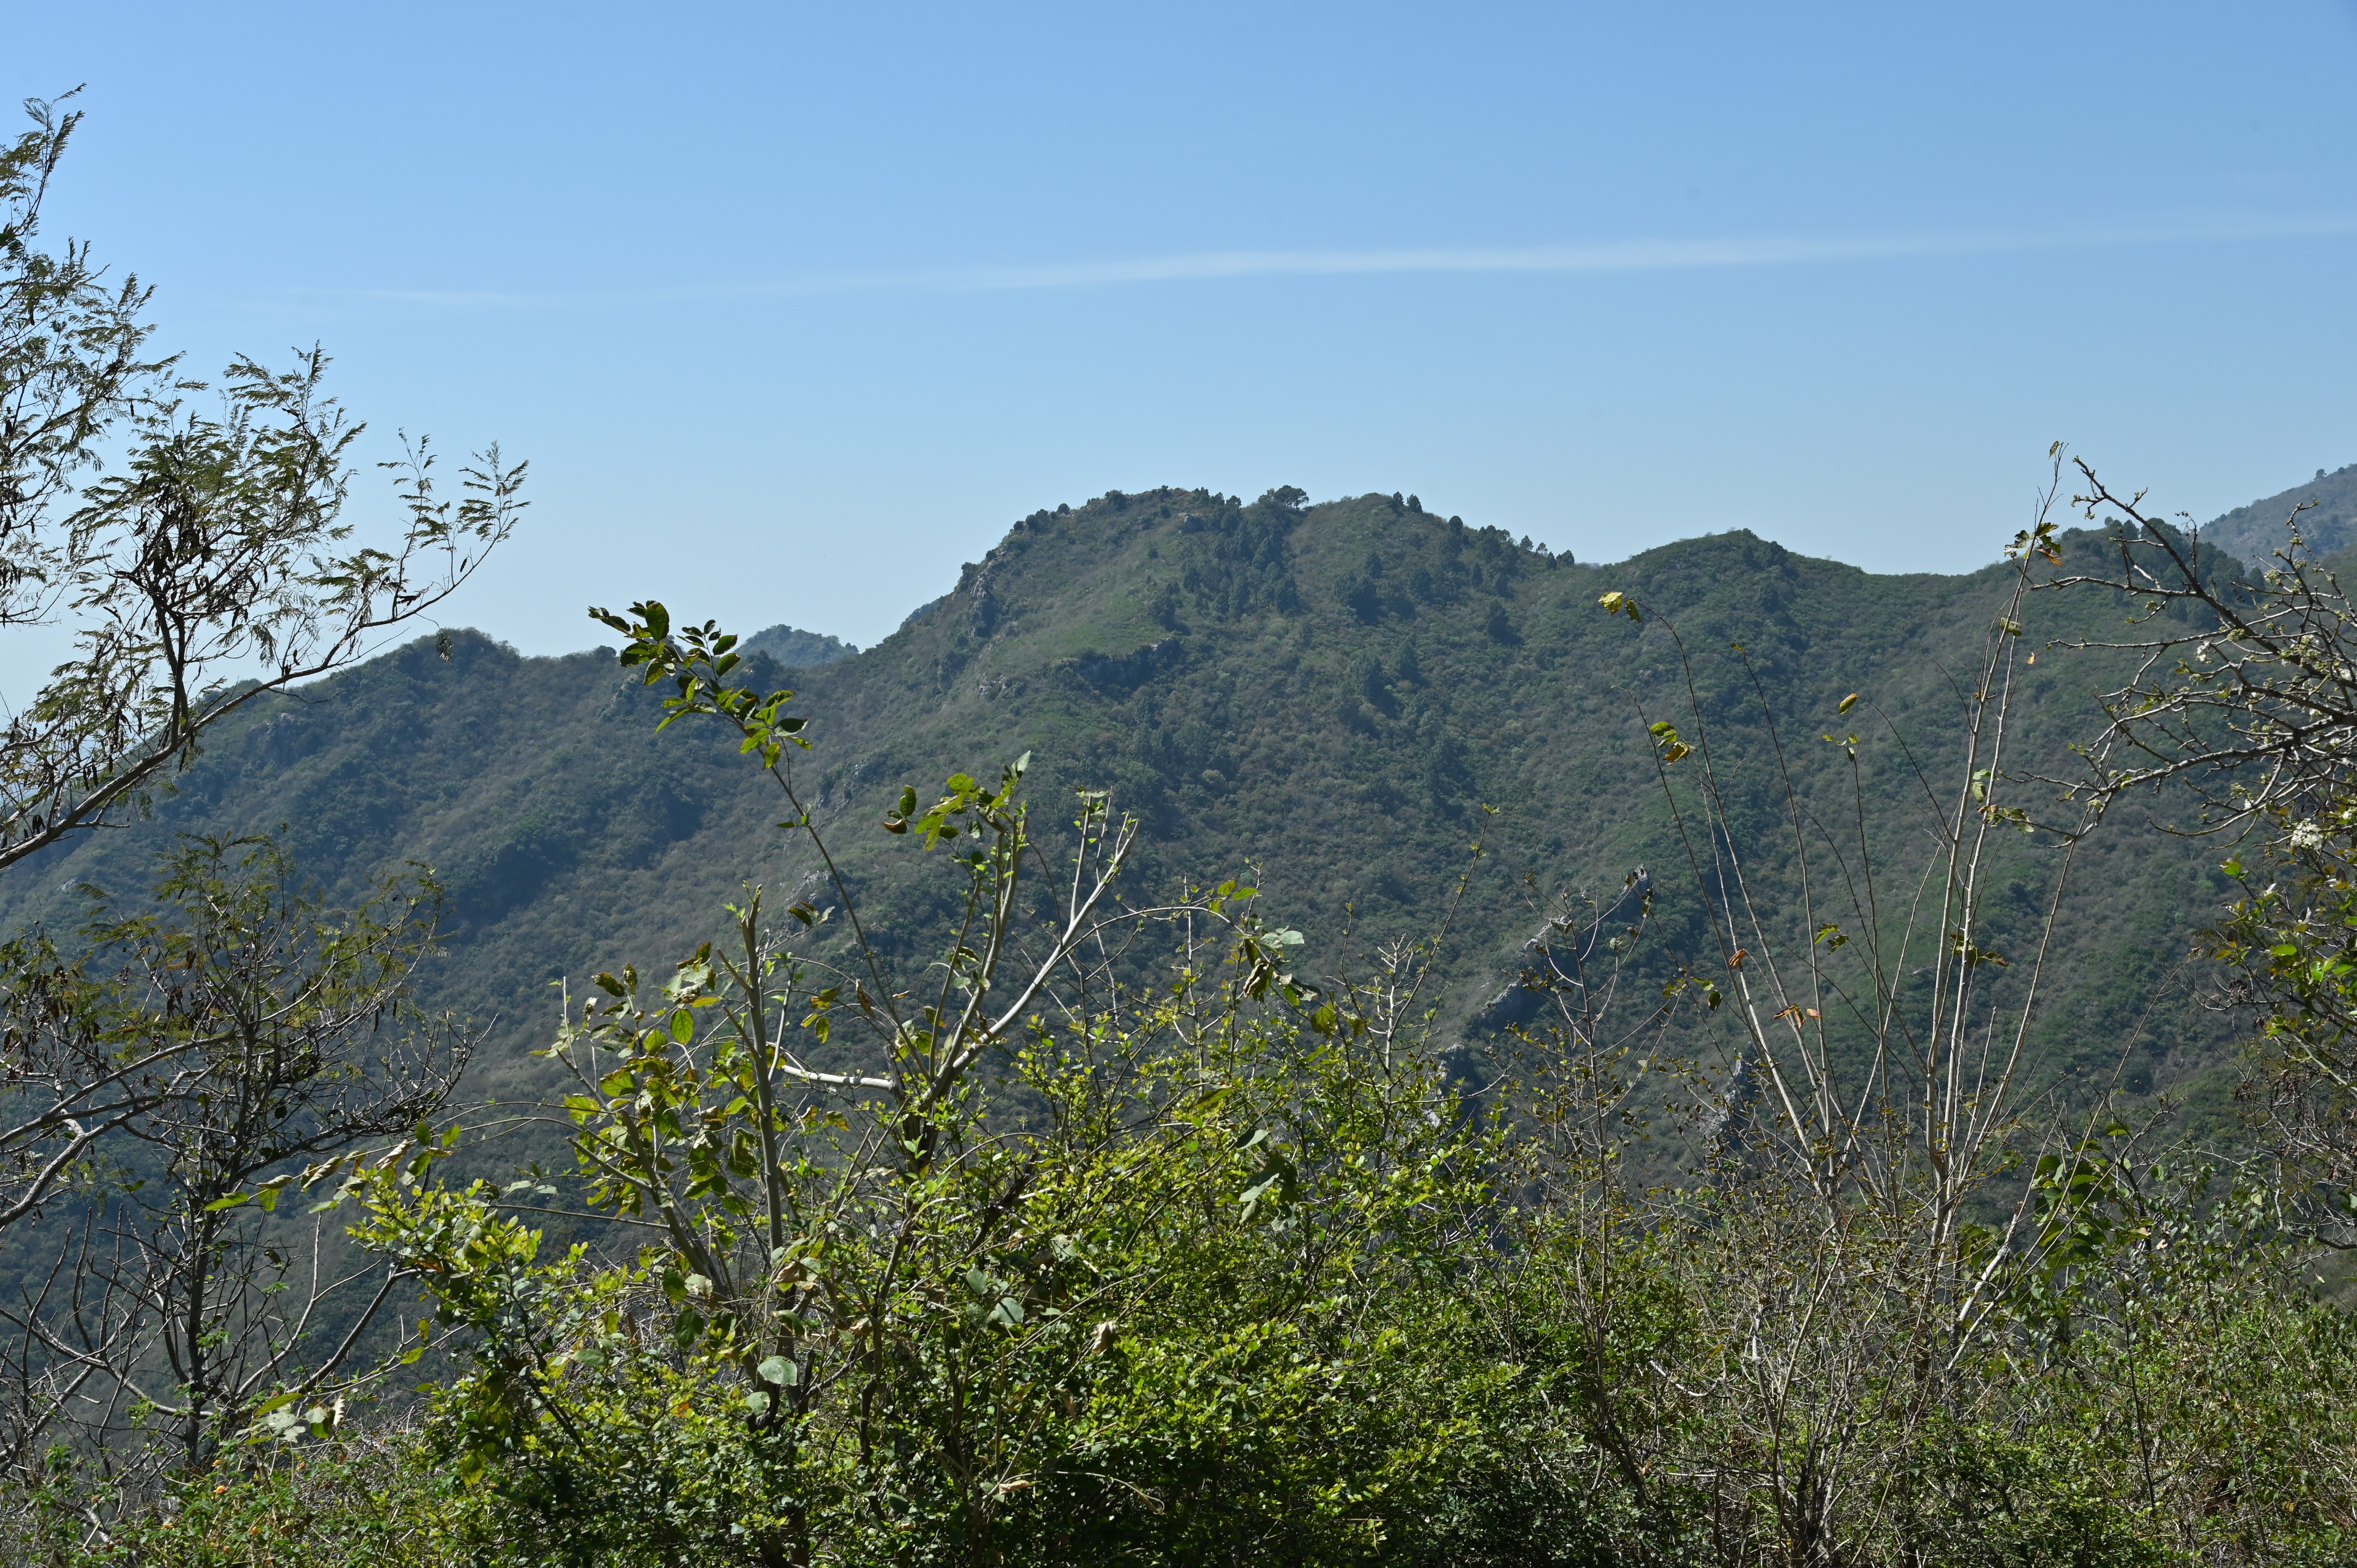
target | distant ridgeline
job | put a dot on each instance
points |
(1337, 700)
(2255, 533)
(795, 649)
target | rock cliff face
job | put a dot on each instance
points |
(1562, 959)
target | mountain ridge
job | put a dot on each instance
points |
(2255, 533)
(1347, 694)
(2251, 532)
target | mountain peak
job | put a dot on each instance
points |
(796, 648)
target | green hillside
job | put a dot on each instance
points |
(1334, 693)
(2255, 533)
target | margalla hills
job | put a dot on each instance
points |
(1245, 1032)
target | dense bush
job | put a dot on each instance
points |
(1356, 1370)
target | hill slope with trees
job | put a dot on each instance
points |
(2329, 525)
(1349, 694)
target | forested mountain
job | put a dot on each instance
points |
(1333, 692)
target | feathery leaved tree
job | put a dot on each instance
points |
(192, 541)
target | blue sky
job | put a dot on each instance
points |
(793, 309)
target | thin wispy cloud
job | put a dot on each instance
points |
(1619, 256)
(1624, 256)
(1606, 257)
